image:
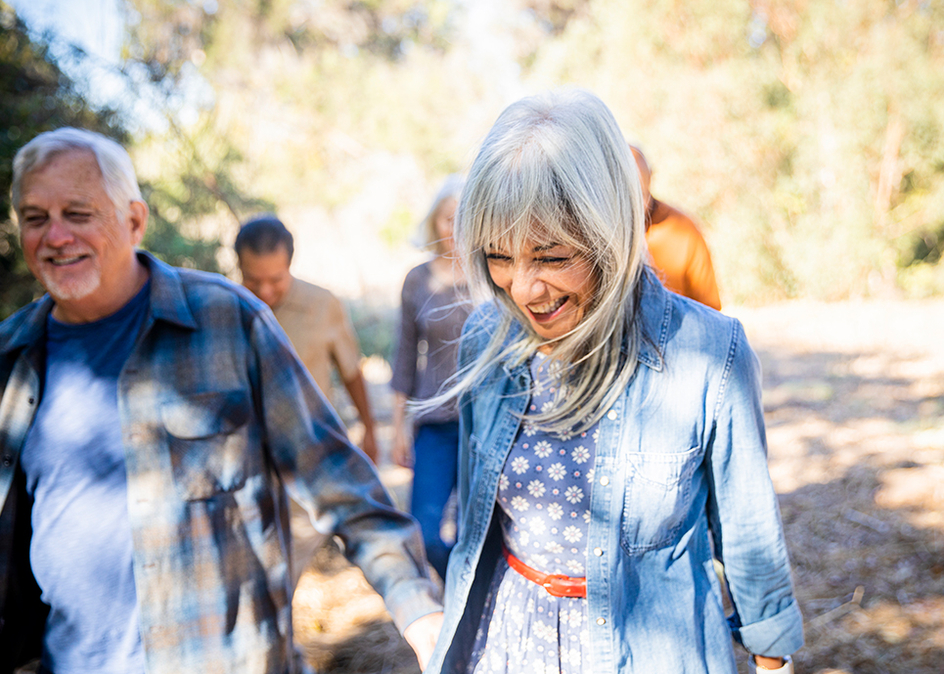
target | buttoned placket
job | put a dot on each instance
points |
(600, 545)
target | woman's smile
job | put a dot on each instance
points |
(553, 284)
(543, 313)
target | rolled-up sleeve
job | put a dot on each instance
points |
(744, 513)
(333, 480)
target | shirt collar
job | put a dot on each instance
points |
(168, 300)
(32, 326)
(168, 303)
(655, 312)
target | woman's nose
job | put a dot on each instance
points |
(526, 286)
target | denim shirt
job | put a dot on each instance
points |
(680, 476)
(219, 420)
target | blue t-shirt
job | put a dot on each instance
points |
(74, 460)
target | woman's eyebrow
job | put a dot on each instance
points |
(545, 247)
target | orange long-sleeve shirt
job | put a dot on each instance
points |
(680, 256)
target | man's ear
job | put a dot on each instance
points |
(138, 217)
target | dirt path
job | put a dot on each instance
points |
(854, 401)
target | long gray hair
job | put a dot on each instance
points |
(556, 167)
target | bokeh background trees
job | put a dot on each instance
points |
(807, 135)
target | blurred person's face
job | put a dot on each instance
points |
(73, 240)
(551, 283)
(645, 174)
(266, 274)
(445, 223)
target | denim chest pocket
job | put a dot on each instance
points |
(208, 436)
(657, 498)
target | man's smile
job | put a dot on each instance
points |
(64, 261)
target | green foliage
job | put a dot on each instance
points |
(376, 328)
(399, 228)
(192, 185)
(806, 135)
(37, 97)
(305, 90)
(195, 181)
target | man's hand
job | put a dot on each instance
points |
(422, 634)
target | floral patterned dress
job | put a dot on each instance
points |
(544, 509)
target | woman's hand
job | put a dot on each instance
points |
(369, 444)
(422, 634)
(764, 663)
(401, 453)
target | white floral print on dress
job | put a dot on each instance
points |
(545, 487)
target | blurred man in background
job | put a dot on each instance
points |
(678, 249)
(314, 319)
(151, 420)
(319, 329)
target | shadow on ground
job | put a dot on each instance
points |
(857, 453)
(869, 581)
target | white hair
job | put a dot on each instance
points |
(426, 235)
(118, 176)
(556, 167)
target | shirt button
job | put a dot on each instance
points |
(8, 461)
(611, 415)
(604, 480)
(598, 552)
(601, 621)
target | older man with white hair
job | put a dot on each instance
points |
(151, 421)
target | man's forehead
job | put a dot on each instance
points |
(276, 258)
(79, 164)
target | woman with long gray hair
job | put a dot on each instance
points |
(433, 307)
(612, 437)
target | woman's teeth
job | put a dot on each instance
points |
(548, 308)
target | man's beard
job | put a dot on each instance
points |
(71, 288)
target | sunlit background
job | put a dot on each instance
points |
(805, 135)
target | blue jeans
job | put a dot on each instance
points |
(436, 453)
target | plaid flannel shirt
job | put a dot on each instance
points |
(218, 418)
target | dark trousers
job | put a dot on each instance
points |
(436, 454)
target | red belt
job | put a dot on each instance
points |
(555, 584)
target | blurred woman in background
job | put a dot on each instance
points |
(432, 310)
(612, 436)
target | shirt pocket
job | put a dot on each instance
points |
(208, 440)
(657, 498)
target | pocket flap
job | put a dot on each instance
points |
(202, 415)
